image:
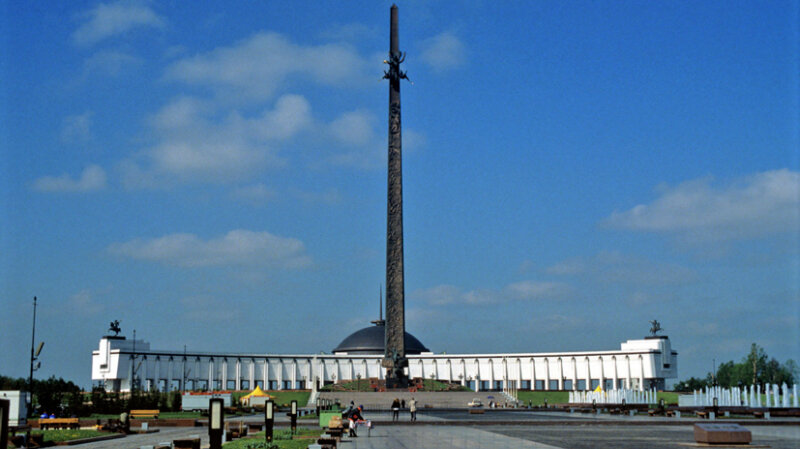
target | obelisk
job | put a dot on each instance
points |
(395, 360)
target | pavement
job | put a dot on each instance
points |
(509, 430)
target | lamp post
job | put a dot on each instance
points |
(269, 420)
(215, 422)
(293, 417)
(34, 357)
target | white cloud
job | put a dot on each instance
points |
(350, 32)
(361, 142)
(77, 129)
(255, 68)
(92, 178)
(195, 143)
(205, 308)
(331, 196)
(613, 266)
(112, 19)
(518, 291)
(237, 247)
(530, 290)
(110, 62)
(443, 52)
(355, 128)
(85, 303)
(757, 205)
(255, 194)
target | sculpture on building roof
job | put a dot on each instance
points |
(114, 327)
(655, 328)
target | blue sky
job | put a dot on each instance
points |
(213, 174)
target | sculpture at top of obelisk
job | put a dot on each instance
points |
(395, 360)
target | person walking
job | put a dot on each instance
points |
(395, 409)
(354, 418)
(412, 407)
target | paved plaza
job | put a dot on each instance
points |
(509, 430)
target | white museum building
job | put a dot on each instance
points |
(641, 364)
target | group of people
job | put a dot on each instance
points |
(398, 404)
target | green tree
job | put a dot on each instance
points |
(755, 368)
(691, 384)
(755, 365)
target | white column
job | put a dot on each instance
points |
(616, 376)
(157, 374)
(238, 382)
(252, 374)
(223, 381)
(641, 372)
(196, 373)
(279, 375)
(533, 373)
(505, 373)
(211, 374)
(491, 373)
(170, 376)
(574, 374)
(546, 373)
(294, 374)
(588, 373)
(628, 380)
(477, 375)
(560, 373)
(266, 374)
(602, 374)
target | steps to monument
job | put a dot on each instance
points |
(425, 399)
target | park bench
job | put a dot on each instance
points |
(235, 429)
(757, 414)
(327, 443)
(335, 427)
(144, 414)
(701, 414)
(186, 443)
(59, 423)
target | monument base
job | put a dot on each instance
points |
(721, 434)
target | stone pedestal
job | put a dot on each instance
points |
(721, 434)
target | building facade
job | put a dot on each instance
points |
(642, 364)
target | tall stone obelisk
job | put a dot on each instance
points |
(395, 360)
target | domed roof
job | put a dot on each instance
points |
(372, 340)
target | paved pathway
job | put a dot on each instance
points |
(548, 431)
(400, 437)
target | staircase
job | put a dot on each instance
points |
(425, 399)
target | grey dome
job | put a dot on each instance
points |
(372, 340)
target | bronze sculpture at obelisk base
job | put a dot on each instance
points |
(395, 360)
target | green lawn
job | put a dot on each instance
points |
(286, 397)
(67, 435)
(162, 415)
(281, 439)
(537, 397)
